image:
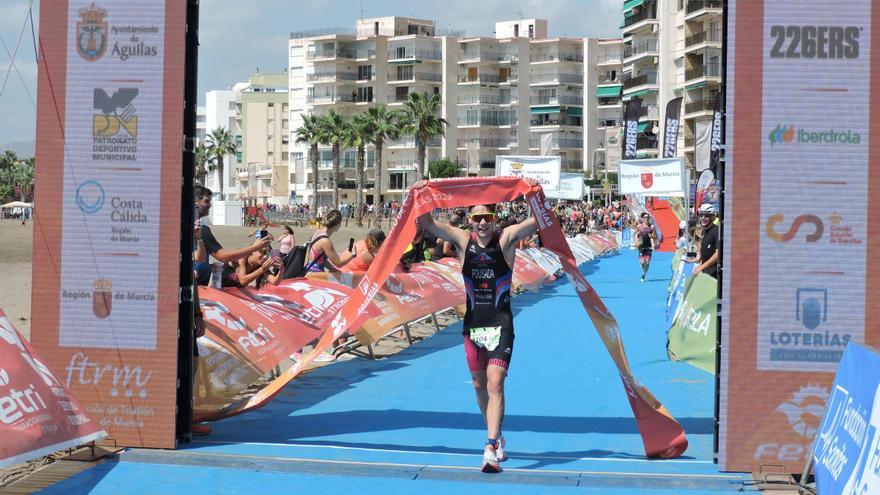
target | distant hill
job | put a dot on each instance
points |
(24, 149)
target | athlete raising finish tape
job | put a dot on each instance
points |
(487, 260)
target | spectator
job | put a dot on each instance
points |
(707, 254)
(255, 268)
(322, 250)
(365, 251)
(285, 244)
(213, 248)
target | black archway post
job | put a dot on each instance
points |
(719, 273)
(185, 341)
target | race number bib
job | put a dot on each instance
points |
(487, 337)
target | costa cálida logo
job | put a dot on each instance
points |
(102, 298)
(91, 33)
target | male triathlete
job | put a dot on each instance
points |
(707, 256)
(646, 235)
(487, 259)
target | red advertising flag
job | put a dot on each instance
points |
(38, 415)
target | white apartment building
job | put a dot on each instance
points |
(262, 134)
(672, 48)
(604, 110)
(220, 112)
(499, 95)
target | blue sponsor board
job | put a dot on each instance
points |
(676, 295)
(626, 236)
(846, 451)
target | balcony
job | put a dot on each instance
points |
(703, 105)
(365, 54)
(609, 123)
(490, 119)
(701, 71)
(485, 100)
(414, 54)
(479, 79)
(402, 165)
(641, 49)
(604, 79)
(415, 76)
(508, 58)
(648, 78)
(331, 76)
(330, 99)
(478, 56)
(535, 143)
(410, 142)
(556, 57)
(484, 143)
(650, 112)
(556, 79)
(555, 121)
(705, 36)
(556, 100)
(632, 22)
(697, 9)
(609, 60)
(331, 54)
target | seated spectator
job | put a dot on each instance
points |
(256, 268)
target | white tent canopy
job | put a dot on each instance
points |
(17, 204)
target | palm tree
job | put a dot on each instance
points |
(310, 133)
(202, 160)
(386, 126)
(220, 144)
(358, 131)
(423, 121)
(332, 127)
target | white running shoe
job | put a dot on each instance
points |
(490, 460)
(499, 451)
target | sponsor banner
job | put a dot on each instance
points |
(691, 338)
(546, 169)
(703, 194)
(528, 274)
(655, 177)
(106, 259)
(846, 452)
(38, 414)
(683, 271)
(613, 148)
(671, 127)
(571, 186)
(626, 236)
(798, 287)
(630, 140)
(716, 133)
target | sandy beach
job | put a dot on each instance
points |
(16, 254)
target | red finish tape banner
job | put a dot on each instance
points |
(662, 435)
(38, 415)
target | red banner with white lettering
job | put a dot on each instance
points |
(662, 436)
(38, 415)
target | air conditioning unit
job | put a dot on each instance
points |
(655, 28)
(656, 60)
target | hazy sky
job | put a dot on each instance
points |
(239, 36)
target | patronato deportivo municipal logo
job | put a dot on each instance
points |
(91, 33)
(786, 134)
(116, 113)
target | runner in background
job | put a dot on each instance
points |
(646, 235)
(487, 259)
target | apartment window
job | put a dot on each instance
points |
(376, 28)
(680, 4)
(365, 72)
(401, 52)
(232, 105)
(295, 68)
(397, 180)
(365, 94)
(531, 30)
(516, 30)
(412, 29)
(405, 73)
(400, 94)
